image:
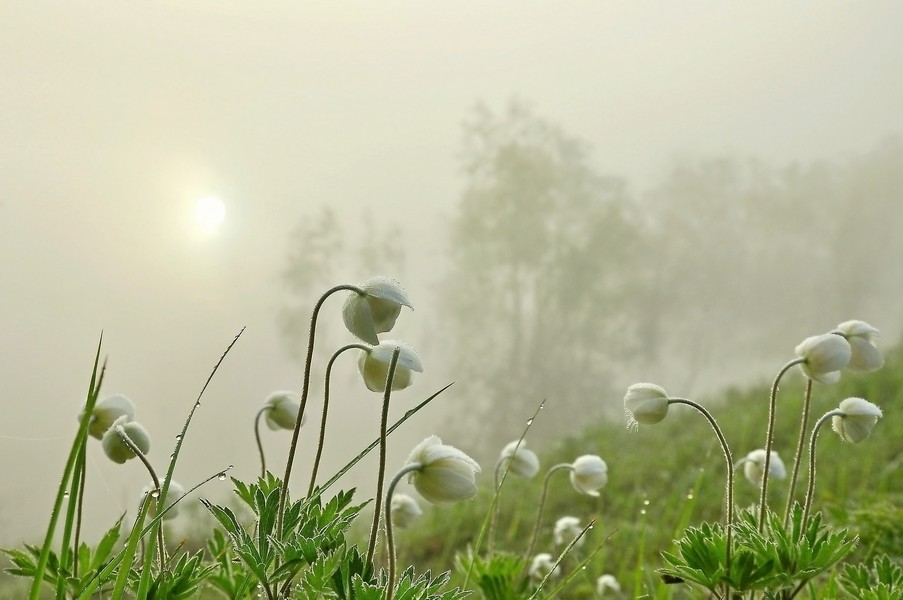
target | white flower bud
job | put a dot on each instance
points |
(858, 418)
(116, 449)
(283, 410)
(862, 337)
(607, 583)
(646, 404)
(404, 510)
(824, 356)
(108, 410)
(589, 473)
(445, 474)
(754, 467)
(374, 365)
(524, 462)
(175, 493)
(566, 530)
(376, 310)
(543, 564)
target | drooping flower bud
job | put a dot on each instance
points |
(374, 365)
(589, 473)
(114, 446)
(445, 474)
(376, 310)
(824, 356)
(566, 530)
(754, 467)
(404, 510)
(543, 565)
(858, 418)
(108, 410)
(862, 337)
(283, 410)
(607, 583)
(175, 493)
(646, 404)
(524, 462)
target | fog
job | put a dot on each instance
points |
(116, 118)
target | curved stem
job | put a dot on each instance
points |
(810, 488)
(390, 376)
(120, 430)
(542, 502)
(804, 426)
(769, 437)
(305, 389)
(313, 473)
(729, 488)
(390, 540)
(263, 460)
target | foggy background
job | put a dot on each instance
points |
(576, 196)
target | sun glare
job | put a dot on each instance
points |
(209, 213)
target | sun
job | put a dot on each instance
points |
(209, 213)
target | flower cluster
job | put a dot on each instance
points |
(111, 420)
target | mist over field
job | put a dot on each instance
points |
(575, 196)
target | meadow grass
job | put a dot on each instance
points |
(662, 479)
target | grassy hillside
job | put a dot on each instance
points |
(664, 476)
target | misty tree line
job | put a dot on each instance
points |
(562, 283)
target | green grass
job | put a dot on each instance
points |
(665, 477)
(677, 467)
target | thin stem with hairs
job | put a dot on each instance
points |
(305, 389)
(769, 438)
(390, 540)
(313, 473)
(810, 487)
(263, 460)
(729, 487)
(383, 423)
(542, 502)
(120, 430)
(798, 455)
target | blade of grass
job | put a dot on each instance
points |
(71, 506)
(495, 498)
(92, 586)
(78, 444)
(161, 501)
(374, 444)
(131, 547)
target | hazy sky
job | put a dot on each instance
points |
(116, 117)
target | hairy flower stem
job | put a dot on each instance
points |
(263, 460)
(804, 426)
(769, 438)
(374, 530)
(810, 488)
(120, 430)
(316, 467)
(729, 486)
(542, 502)
(390, 540)
(305, 389)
